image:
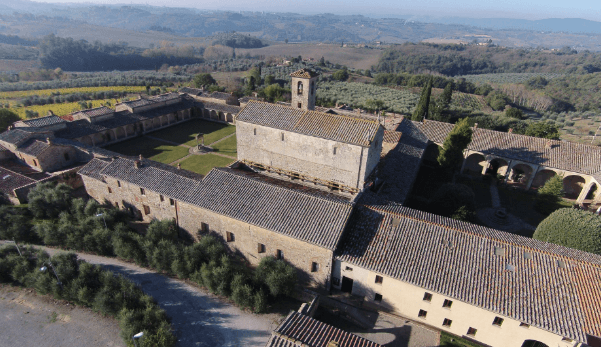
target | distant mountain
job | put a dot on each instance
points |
(571, 25)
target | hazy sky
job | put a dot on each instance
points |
(524, 9)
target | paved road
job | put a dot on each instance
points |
(199, 319)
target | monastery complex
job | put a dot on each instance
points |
(324, 190)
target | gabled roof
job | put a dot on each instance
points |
(220, 95)
(304, 73)
(42, 121)
(302, 215)
(299, 329)
(17, 135)
(221, 107)
(154, 176)
(458, 260)
(341, 128)
(562, 155)
(96, 112)
(10, 180)
(191, 91)
(33, 147)
(94, 167)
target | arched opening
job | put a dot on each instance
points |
(221, 116)
(542, 177)
(431, 153)
(147, 125)
(98, 139)
(130, 130)
(474, 164)
(230, 117)
(206, 113)
(533, 343)
(156, 123)
(180, 116)
(108, 136)
(497, 166)
(164, 121)
(214, 115)
(171, 118)
(572, 186)
(120, 133)
(521, 173)
(300, 88)
(592, 192)
(87, 140)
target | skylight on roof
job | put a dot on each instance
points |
(510, 267)
(500, 251)
(5, 177)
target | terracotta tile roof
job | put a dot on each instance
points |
(191, 91)
(33, 147)
(561, 155)
(42, 121)
(457, 260)
(342, 128)
(17, 135)
(304, 73)
(93, 167)
(246, 99)
(165, 97)
(138, 102)
(308, 217)
(392, 136)
(95, 112)
(10, 180)
(298, 328)
(220, 95)
(221, 107)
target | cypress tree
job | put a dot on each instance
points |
(447, 94)
(421, 111)
(451, 154)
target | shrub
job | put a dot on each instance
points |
(572, 228)
(457, 201)
(48, 200)
(278, 276)
(549, 195)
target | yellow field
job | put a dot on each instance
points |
(48, 92)
(58, 109)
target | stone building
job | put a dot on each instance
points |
(528, 161)
(303, 89)
(255, 215)
(336, 151)
(493, 287)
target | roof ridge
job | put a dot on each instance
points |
(376, 208)
(232, 172)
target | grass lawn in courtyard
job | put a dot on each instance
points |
(227, 146)
(149, 148)
(521, 204)
(185, 133)
(450, 340)
(202, 164)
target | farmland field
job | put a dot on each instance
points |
(48, 92)
(58, 109)
(356, 94)
(503, 78)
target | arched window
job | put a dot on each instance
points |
(312, 87)
(300, 88)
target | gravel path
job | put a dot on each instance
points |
(27, 319)
(198, 318)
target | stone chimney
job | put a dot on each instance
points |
(549, 144)
(137, 164)
(510, 131)
(475, 125)
(48, 140)
(179, 166)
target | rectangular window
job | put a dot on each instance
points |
(204, 227)
(422, 314)
(142, 191)
(378, 297)
(279, 255)
(427, 297)
(35, 163)
(109, 189)
(255, 131)
(471, 331)
(524, 325)
(230, 236)
(161, 198)
(119, 184)
(171, 202)
(447, 323)
(379, 279)
(334, 150)
(348, 268)
(261, 248)
(282, 136)
(498, 321)
(447, 303)
(314, 267)
(300, 105)
(146, 210)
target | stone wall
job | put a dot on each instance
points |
(316, 157)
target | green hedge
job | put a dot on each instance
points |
(88, 285)
(572, 228)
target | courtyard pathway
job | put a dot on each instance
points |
(494, 194)
(198, 318)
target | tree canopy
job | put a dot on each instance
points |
(549, 194)
(457, 201)
(421, 110)
(7, 117)
(513, 112)
(451, 154)
(543, 130)
(204, 79)
(572, 228)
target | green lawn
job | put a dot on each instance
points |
(227, 146)
(521, 204)
(450, 340)
(149, 148)
(202, 164)
(185, 133)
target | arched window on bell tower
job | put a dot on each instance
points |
(300, 88)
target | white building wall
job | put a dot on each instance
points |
(407, 300)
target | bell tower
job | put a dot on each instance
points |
(304, 89)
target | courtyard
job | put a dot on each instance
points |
(175, 145)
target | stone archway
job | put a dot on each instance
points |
(206, 113)
(474, 164)
(98, 139)
(498, 166)
(120, 133)
(156, 123)
(592, 192)
(229, 117)
(130, 130)
(109, 136)
(542, 177)
(572, 186)
(214, 115)
(521, 173)
(164, 121)
(222, 117)
(171, 118)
